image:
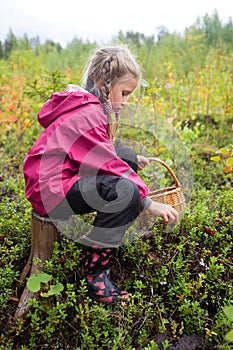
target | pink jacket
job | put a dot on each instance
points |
(74, 144)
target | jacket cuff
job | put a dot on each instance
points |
(146, 202)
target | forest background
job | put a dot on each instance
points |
(180, 280)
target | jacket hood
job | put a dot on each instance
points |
(63, 102)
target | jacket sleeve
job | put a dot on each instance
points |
(93, 151)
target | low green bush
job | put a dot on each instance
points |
(179, 281)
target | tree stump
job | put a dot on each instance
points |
(43, 236)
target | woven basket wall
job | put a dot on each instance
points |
(170, 195)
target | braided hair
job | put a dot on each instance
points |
(108, 66)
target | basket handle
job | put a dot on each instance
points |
(167, 167)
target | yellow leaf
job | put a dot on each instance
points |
(229, 162)
(223, 151)
(215, 158)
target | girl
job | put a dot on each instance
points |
(73, 168)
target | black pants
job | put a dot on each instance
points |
(115, 199)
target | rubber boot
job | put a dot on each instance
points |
(95, 270)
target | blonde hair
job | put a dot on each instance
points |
(107, 66)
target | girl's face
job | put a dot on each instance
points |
(120, 93)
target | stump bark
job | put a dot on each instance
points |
(43, 236)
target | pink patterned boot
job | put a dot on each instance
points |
(95, 270)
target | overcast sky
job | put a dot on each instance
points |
(100, 20)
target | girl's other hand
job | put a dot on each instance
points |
(165, 211)
(142, 162)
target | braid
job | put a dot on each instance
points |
(106, 78)
(107, 67)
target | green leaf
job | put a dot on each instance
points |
(144, 83)
(229, 161)
(44, 277)
(169, 162)
(229, 336)
(34, 281)
(55, 289)
(33, 284)
(228, 311)
(215, 158)
(228, 176)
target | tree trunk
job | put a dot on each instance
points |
(43, 236)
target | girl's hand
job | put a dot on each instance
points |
(142, 162)
(169, 214)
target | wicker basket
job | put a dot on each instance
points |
(170, 195)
